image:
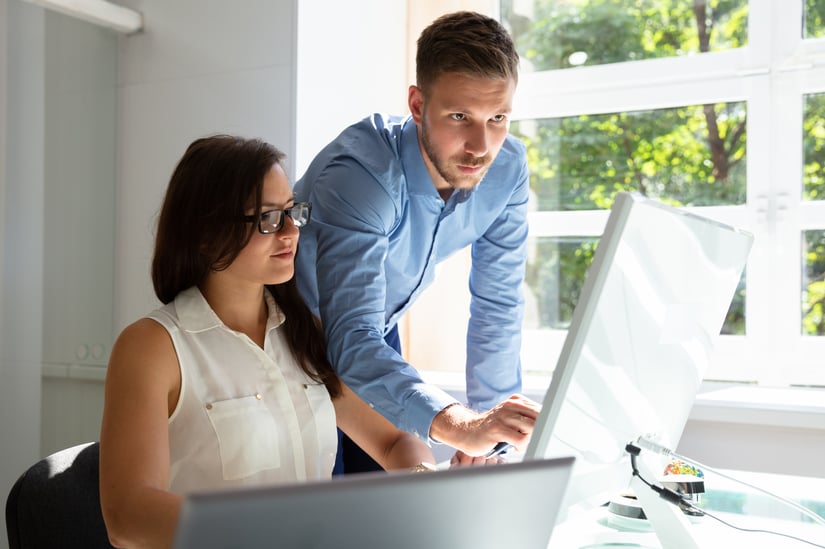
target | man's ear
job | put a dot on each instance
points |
(415, 102)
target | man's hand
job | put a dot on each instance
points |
(475, 433)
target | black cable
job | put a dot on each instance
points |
(656, 448)
(677, 499)
(667, 494)
(756, 530)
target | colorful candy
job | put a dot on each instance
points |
(678, 467)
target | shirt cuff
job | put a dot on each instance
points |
(423, 410)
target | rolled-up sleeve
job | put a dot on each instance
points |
(497, 305)
(350, 226)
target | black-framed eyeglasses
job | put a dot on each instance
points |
(272, 221)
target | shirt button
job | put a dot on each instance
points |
(208, 406)
(372, 405)
(258, 396)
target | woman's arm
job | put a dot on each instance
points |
(389, 446)
(142, 386)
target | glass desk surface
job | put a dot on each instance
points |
(738, 505)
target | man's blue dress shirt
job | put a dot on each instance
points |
(378, 229)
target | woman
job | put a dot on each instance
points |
(228, 384)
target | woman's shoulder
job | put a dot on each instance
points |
(143, 340)
(147, 327)
(143, 366)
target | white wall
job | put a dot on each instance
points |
(3, 108)
(351, 61)
(197, 68)
(79, 157)
(21, 198)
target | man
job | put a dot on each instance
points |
(391, 198)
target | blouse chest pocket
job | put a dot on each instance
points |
(324, 412)
(247, 436)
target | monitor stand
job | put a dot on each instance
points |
(670, 524)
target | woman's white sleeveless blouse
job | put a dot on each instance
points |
(245, 415)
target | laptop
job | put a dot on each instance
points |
(505, 505)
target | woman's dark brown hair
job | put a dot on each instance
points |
(202, 228)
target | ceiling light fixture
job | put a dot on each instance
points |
(99, 12)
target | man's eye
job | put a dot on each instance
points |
(457, 116)
(499, 118)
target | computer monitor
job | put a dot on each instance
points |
(641, 337)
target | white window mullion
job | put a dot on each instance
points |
(812, 215)
(641, 85)
(743, 358)
(800, 72)
(775, 28)
(782, 303)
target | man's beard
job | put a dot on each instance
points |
(447, 168)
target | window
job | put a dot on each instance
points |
(686, 156)
(559, 34)
(717, 106)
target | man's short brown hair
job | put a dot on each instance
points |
(468, 43)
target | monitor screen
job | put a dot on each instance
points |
(641, 337)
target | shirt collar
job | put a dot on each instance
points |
(195, 314)
(418, 178)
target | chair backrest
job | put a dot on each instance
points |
(56, 503)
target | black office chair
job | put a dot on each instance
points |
(56, 504)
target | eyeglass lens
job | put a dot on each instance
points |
(273, 220)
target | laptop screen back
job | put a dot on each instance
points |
(507, 505)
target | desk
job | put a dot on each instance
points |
(732, 502)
